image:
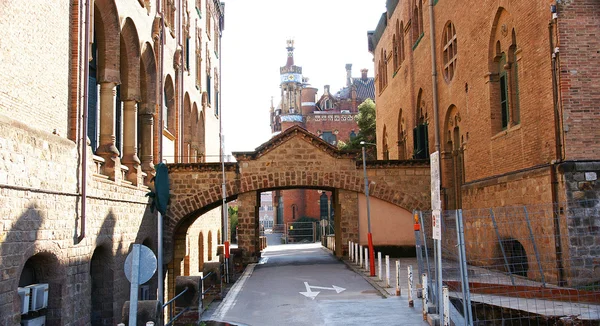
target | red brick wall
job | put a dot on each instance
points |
(579, 57)
(488, 152)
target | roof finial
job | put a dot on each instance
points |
(290, 49)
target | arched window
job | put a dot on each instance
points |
(420, 132)
(400, 34)
(395, 52)
(504, 74)
(199, 58)
(401, 137)
(503, 82)
(417, 22)
(93, 118)
(352, 135)
(514, 72)
(385, 149)
(323, 201)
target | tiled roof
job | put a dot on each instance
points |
(364, 89)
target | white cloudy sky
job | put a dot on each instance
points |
(328, 34)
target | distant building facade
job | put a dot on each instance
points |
(332, 117)
(517, 94)
(74, 191)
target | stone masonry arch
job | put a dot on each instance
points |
(293, 159)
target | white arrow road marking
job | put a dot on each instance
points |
(337, 289)
(310, 294)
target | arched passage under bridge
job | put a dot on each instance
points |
(294, 158)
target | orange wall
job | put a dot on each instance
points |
(390, 224)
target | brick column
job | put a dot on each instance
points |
(107, 148)
(248, 205)
(130, 131)
(346, 220)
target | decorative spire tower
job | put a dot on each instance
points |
(291, 87)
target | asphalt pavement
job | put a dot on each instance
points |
(304, 284)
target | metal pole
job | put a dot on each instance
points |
(535, 249)
(425, 243)
(369, 235)
(512, 278)
(135, 281)
(418, 247)
(224, 209)
(440, 306)
(161, 279)
(463, 269)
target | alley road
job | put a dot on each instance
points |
(303, 284)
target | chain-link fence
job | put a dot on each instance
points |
(537, 264)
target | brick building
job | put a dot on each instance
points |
(91, 97)
(332, 117)
(516, 95)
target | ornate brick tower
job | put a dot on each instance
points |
(288, 111)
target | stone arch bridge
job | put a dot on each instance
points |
(294, 158)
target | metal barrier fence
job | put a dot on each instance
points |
(302, 232)
(537, 264)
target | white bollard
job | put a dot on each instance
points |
(379, 265)
(424, 295)
(446, 306)
(367, 259)
(387, 271)
(361, 256)
(398, 291)
(410, 286)
(356, 253)
(350, 250)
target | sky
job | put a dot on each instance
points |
(328, 34)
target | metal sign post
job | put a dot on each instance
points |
(140, 265)
(436, 209)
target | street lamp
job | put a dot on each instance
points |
(370, 237)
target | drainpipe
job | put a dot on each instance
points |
(225, 211)
(86, 76)
(159, 222)
(559, 150)
(181, 88)
(436, 122)
(436, 125)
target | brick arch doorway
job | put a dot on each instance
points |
(292, 159)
